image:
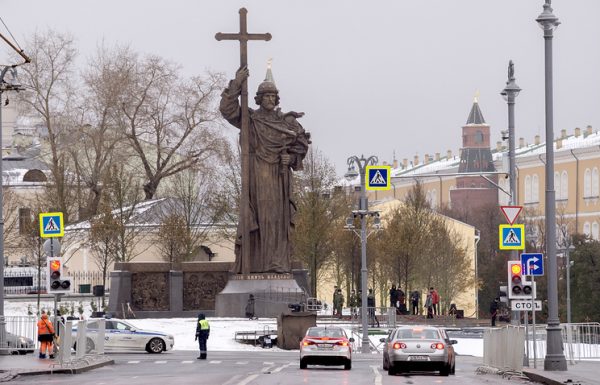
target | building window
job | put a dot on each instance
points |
(595, 189)
(535, 188)
(586, 229)
(587, 183)
(24, 220)
(595, 230)
(557, 185)
(528, 189)
(564, 185)
(434, 202)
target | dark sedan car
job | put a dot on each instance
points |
(418, 348)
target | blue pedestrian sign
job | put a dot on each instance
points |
(51, 225)
(532, 263)
(512, 237)
(378, 177)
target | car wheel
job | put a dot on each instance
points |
(391, 369)
(348, 365)
(445, 370)
(155, 346)
(302, 364)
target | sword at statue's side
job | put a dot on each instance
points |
(243, 36)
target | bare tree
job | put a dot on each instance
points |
(320, 210)
(122, 194)
(172, 240)
(103, 238)
(50, 81)
(167, 119)
(195, 197)
(99, 138)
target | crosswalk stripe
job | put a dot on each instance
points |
(215, 362)
(186, 362)
(242, 363)
(133, 362)
(160, 362)
(268, 363)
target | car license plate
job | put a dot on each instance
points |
(419, 358)
(325, 346)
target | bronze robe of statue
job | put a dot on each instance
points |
(271, 133)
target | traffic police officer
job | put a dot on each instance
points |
(202, 332)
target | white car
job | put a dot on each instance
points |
(121, 336)
(327, 345)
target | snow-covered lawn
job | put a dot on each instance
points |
(222, 330)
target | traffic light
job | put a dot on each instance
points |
(56, 283)
(518, 286)
(503, 294)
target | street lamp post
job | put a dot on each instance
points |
(362, 212)
(555, 358)
(510, 93)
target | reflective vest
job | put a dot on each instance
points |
(203, 324)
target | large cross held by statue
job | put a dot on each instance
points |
(243, 36)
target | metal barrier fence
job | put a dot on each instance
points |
(18, 334)
(380, 317)
(504, 347)
(25, 281)
(580, 341)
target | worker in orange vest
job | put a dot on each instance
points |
(45, 335)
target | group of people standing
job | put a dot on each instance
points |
(432, 303)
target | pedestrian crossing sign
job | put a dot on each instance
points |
(512, 237)
(378, 178)
(51, 225)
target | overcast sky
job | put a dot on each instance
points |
(373, 77)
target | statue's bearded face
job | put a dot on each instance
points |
(269, 101)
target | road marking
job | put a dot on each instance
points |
(160, 362)
(215, 362)
(133, 362)
(377, 375)
(186, 362)
(248, 379)
(283, 367)
(268, 363)
(242, 363)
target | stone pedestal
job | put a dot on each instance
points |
(291, 328)
(272, 295)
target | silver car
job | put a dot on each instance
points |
(328, 345)
(418, 348)
(120, 335)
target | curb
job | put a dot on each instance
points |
(77, 370)
(537, 377)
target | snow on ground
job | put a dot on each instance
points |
(222, 330)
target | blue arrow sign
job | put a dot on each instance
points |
(532, 263)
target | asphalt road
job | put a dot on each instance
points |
(256, 368)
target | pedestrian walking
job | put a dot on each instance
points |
(494, 305)
(429, 305)
(371, 306)
(393, 297)
(202, 332)
(45, 335)
(335, 300)
(340, 303)
(435, 297)
(352, 303)
(250, 307)
(414, 301)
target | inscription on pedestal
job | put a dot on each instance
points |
(261, 276)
